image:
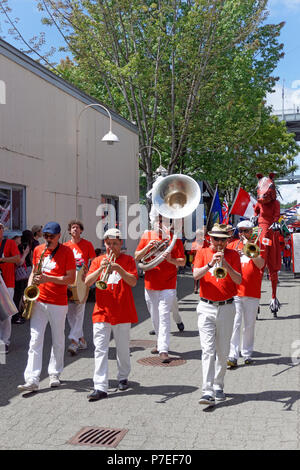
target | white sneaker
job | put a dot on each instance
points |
(72, 349)
(82, 344)
(54, 381)
(28, 387)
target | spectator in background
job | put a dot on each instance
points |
(26, 251)
(287, 253)
(37, 233)
(9, 257)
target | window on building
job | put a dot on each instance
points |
(12, 206)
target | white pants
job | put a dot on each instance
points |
(246, 309)
(102, 332)
(215, 328)
(5, 326)
(41, 315)
(75, 318)
(160, 303)
(176, 315)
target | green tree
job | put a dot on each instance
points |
(192, 74)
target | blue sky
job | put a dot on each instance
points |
(288, 69)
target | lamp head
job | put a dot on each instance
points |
(110, 138)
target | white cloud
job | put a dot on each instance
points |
(290, 4)
(291, 97)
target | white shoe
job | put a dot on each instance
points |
(82, 344)
(28, 387)
(73, 348)
(54, 381)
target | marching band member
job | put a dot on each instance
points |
(160, 287)
(57, 272)
(114, 311)
(216, 310)
(9, 258)
(84, 252)
(247, 299)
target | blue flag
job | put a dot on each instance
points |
(216, 209)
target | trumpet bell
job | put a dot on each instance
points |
(220, 272)
(251, 250)
(101, 285)
(176, 196)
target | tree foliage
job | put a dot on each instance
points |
(192, 74)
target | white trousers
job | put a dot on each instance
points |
(75, 317)
(160, 304)
(215, 329)
(175, 311)
(5, 326)
(246, 310)
(41, 315)
(102, 332)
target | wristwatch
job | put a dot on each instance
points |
(209, 265)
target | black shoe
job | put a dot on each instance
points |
(18, 320)
(207, 400)
(97, 395)
(152, 332)
(180, 326)
(123, 385)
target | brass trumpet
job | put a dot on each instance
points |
(102, 282)
(251, 249)
(220, 272)
(31, 293)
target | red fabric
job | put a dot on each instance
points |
(163, 276)
(63, 261)
(212, 288)
(83, 251)
(115, 304)
(8, 269)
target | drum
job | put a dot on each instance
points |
(78, 292)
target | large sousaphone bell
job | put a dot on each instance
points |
(174, 197)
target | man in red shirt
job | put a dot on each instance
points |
(57, 272)
(216, 310)
(114, 311)
(9, 258)
(247, 298)
(84, 252)
(160, 287)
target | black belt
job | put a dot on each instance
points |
(218, 302)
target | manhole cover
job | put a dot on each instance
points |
(101, 437)
(156, 361)
(142, 343)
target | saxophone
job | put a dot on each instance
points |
(31, 293)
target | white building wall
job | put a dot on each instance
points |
(38, 151)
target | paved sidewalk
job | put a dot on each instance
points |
(160, 410)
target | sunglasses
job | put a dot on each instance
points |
(49, 235)
(220, 239)
(244, 230)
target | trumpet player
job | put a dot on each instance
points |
(216, 309)
(57, 272)
(114, 311)
(247, 298)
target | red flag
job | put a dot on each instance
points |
(243, 204)
(225, 212)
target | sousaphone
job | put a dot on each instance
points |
(174, 197)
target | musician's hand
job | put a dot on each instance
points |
(217, 257)
(275, 226)
(40, 279)
(167, 256)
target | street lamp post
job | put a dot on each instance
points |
(110, 138)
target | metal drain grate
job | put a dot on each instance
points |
(156, 361)
(142, 343)
(101, 437)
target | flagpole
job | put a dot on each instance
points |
(211, 206)
(234, 199)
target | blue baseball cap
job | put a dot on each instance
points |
(52, 227)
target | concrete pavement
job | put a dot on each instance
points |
(160, 410)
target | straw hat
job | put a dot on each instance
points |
(219, 230)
